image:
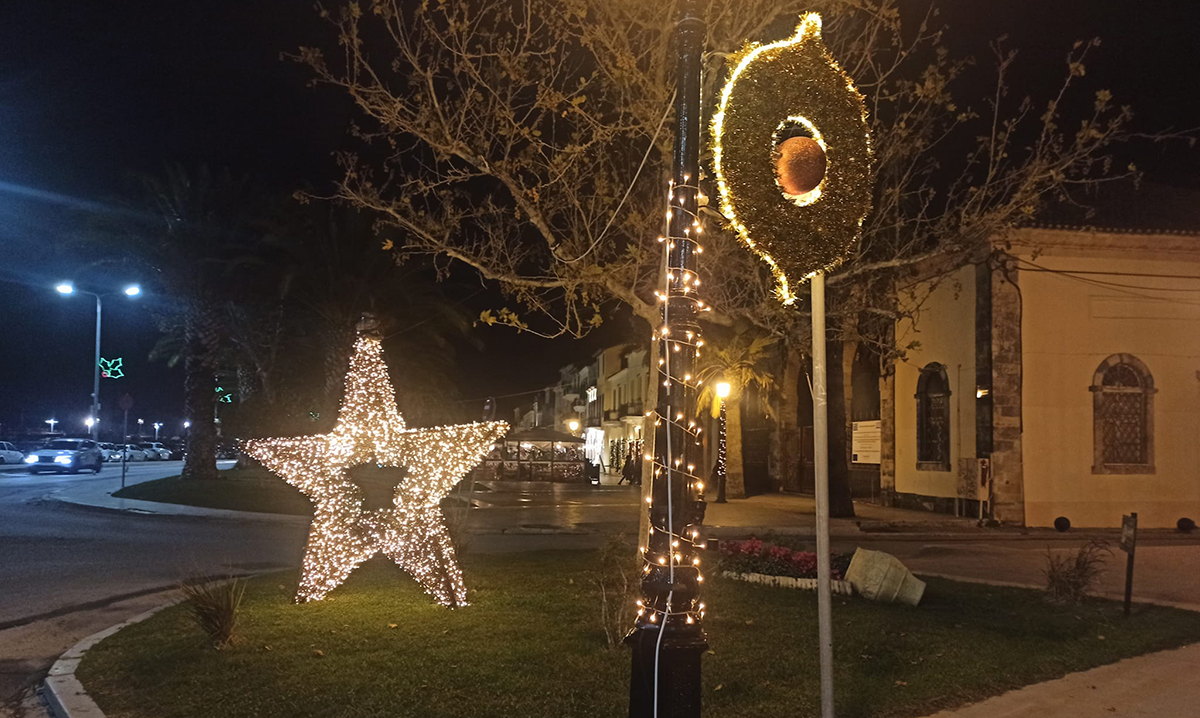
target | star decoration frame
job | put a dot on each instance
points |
(111, 368)
(370, 431)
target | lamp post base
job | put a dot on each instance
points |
(678, 663)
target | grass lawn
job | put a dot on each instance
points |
(531, 645)
(252, 489)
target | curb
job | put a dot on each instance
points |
(1109, 595)
(155, 508)
(63, 692)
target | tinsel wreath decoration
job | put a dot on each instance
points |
(789, 118)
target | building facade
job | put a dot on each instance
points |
(1059, 376)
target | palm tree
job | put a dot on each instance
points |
(194, 242)
(740, 362)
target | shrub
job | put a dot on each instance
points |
(1070, 578)
(1185, 525)
(617, 579)
(1062, 523)
(214, 606)
(755, 556)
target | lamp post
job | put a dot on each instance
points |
(722, 394)
(140, 422)
(573, 425)
(157, 426)
(67, 288)
(668, 638)
(92, 424)
(51, 422)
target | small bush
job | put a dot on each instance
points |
(1062, 523)
(214, 606)
(1070, 578)
(617, 580)
(1185, 525)
(755, 556)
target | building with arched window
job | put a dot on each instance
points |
(1056, 376)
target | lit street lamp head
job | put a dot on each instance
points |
(723, 389)
(66, 288)
(133, 290)
(573, 424)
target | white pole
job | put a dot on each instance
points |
(821, 479)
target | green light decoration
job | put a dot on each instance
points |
(111, 368)
(224, 396)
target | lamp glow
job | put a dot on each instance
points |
(66, 288)
(723, 390)
(573, 424)
(133, 290)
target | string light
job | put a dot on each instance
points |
(746, 130)
(370, 431)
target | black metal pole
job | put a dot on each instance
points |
(668, 639)
(722, 467)
(1129, 568)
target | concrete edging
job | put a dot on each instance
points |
(64, 694)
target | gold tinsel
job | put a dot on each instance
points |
(772, 88)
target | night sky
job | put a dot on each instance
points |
(91, 92)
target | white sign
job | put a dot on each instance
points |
(866, 441)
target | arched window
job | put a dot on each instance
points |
(1123, 416)
(933, 419)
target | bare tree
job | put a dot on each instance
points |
(529, 139)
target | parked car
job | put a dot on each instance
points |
(227, 451)
(10, 454)
(73, 455)
(155, 451)
(110, 451)
(133, 452)
(177, 448)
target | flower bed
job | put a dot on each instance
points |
(753, 556)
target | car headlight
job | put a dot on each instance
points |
(63, 459)
(31, 459)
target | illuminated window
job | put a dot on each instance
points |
(1123, 416)
(933, 419)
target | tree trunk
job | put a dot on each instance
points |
(789, 422)
(199, 387)
(840, 503)
(735, 471)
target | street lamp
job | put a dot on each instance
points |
(91, 423)
(157, 425)
(573, 425)
(51, 422)
(67, 288)
(722, 394)
(140, 422)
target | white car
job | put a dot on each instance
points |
(132, 452)
(156, 451)
(9, 454)
(110, 451)
(73, 455)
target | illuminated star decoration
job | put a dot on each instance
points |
(411, 531)
(111, 368)
(223, 396)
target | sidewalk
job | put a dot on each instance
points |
(1158, 685)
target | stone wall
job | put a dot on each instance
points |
(1008, 487)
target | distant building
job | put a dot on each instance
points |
(1059, 376)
